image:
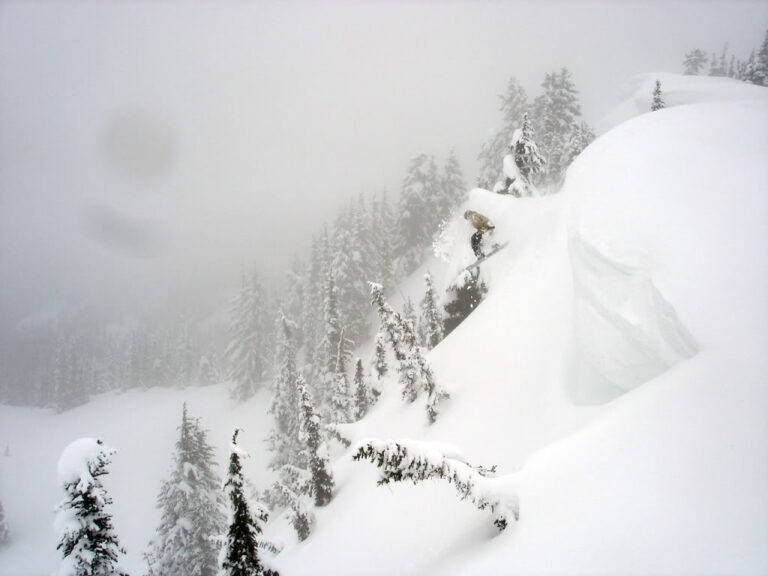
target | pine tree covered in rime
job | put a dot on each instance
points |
(240, 556)
(555, 114)
(314, 303)
(450, 192)
(420, 461)
(431, 323)
(694, 62)
(293, 303)
(581, 137)
(88, 541)
(284, 442)
(363, 399)
(514, 103)
(382, 232)
(349, 263)
(317, 452)
(341, 398)
(417, 223)
(247, 350)
(526, 162)
(192, 508)
(413, 369)
(293, 491)
(657, 103)
(5, 533)
(759, 75)
(325, 355)
(464, 296)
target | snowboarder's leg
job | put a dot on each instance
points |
(477, 240)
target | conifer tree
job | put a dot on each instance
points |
(525, 164)
(514, 103)
(416, 223)
(248, 348)
(452, 189)
(694, 62)
(284, 440)
(319, 465)
(465, 295)
(192, 508)
(88, 541)
(240, 556)
(431, 323)
(383, 228)
(657, 103)
(555, 114)
(581, 136)
(413, 369)
(350, 273)
(5, 533)
(341, 398)
(362, 391)
(325, 355)
(759, 75)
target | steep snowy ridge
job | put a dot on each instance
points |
(615, 373)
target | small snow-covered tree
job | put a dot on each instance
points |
(293, 491)
(5, 533)
(341, 397)
(759, 74)
(87, 538)
(431, 322)
(465, 294)
(694, 62)
(240, 554)
(658, 102)
(362, 391)
(192, 508)
(524, 164)
(317, 452)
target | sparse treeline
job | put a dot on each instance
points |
(752, 69)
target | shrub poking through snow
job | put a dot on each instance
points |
(420, 461)
(87, 538)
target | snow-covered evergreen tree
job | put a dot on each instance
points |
(524, 164)
(247, 351)
(382, 228)
(363, 398)
(341, 396)
(293, 491)
(464, 296)
(581, 136)
(283, 441)
(451, 190)
(87, 538)
(694, 62)
(192, 508)
(759, 75)
(556, 112)
(5, 533)
(657, 103)
(322, 482)
(416, 223)
(413, 369)
(240, 554)
(350, 266)
(431, 322)
(514, 103)
(325, 354)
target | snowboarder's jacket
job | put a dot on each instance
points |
(479, 221)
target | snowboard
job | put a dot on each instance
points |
(479, 261)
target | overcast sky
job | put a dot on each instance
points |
(149, 149)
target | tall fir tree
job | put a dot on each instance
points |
(416, 224)
(759, 74)
(363, 398)
(325, 355)
(248, 348)
(431, 321)
(382, 232)
(452, 189)
(192, 508)
(341, 397)
(694, 62)
(514, 103)
(525, 163)
(322, 482)
(240, 554)
(88, 541)
(657, 103)
(556, 112)
(283, 441)
(464, 296)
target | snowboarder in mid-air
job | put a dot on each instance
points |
(481, 224)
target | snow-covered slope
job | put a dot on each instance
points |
(616, 374)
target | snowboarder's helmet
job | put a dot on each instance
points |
(467, 214)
